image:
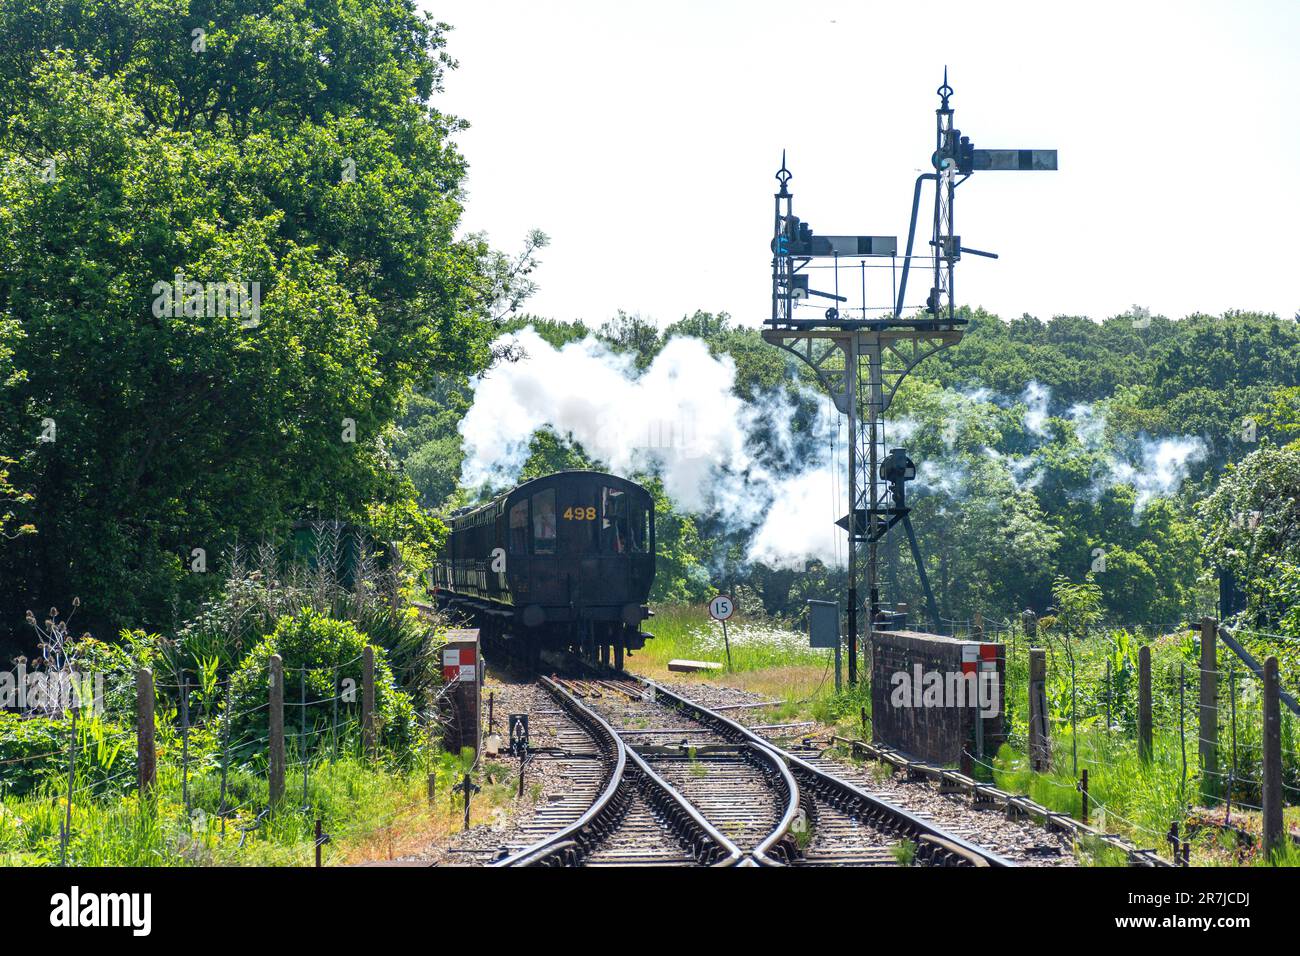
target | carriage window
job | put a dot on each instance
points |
(580, 520)
(544, 522)
(519, 528)
(639, 528)
(613, 521)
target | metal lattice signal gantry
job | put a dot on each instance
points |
(861, 353)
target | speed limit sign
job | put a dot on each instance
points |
(721, 608)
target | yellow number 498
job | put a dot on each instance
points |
(580, 514)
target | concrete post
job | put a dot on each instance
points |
(1040, 741)
(1144, 703)
(1030, 622)
(1209, 711)
(1274, 833)
(368, 700)
(147, 759)
(275, 725)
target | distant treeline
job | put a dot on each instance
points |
(1046, 448)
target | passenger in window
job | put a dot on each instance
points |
(544, 521)
(519, 527)
(614, 521)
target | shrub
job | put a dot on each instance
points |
(325, 647)
(34, 752)
(334, 571)
(118, 664)
(30, 749)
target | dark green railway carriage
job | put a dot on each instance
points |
(562, 562)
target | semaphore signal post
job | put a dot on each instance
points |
(862, 353)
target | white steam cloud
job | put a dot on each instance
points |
(1089, 424)
(743, 462)
(799, 524)
(1153, 467)
(1036, 397)
(1162, 467)
(678, 418)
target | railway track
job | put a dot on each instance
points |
(680, 784)
(637, 817)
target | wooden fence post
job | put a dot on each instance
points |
(1040, 742)
(1144, 703)
(1083, 796)
(368, 699)
(1209, 724)
(977, 629)
(1273, 828)
(66, 828)
(146, 754)
(275, 724)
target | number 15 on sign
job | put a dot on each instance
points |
(720, 609)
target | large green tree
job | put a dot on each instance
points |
(229, 142)
(1252, 531)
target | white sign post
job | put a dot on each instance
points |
(720, 609)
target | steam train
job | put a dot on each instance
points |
(563, 562)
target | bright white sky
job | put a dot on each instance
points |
(643, 137)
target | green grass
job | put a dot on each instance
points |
(1127, 796)
(904, 852)
(370, 812)
(803, 832)
(757, 643)
(849, 709)
(768, 658)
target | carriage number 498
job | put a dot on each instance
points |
(580, 514)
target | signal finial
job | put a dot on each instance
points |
(783, 176)
(944, 91)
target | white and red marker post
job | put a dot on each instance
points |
(462, 671)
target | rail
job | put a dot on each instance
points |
(842, 794)
(568, 846)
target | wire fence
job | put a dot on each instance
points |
(1206, 723)
(226, 750)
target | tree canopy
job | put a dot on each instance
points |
(286, 160)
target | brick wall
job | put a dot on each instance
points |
(934, 727)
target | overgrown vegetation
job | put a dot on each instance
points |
(212, 803)
(370, 812)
